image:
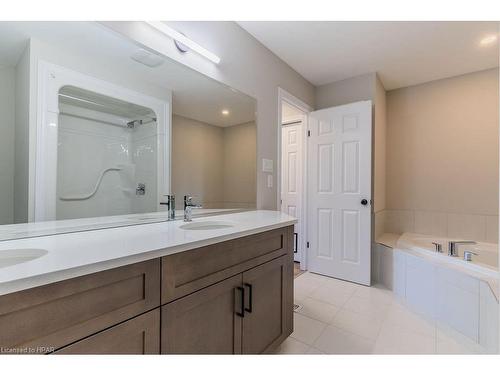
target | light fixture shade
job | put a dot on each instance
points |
(174, 34)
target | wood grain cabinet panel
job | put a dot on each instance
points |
(228, 298)
(140, 335)
(186, 272)
(55, 315)
(269, 306)
(204, 322)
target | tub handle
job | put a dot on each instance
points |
(438, 247)
(468, 255)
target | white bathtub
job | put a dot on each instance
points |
(486, 260)
(457, 294)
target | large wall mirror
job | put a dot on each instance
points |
(96, 131)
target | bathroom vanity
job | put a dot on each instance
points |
(223, 290)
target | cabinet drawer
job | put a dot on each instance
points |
(186, 272)
(59, 314)
(140, 335)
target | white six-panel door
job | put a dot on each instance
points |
(339, 191)
(291, 178)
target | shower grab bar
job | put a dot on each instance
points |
(96, 187)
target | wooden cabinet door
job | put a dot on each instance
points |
(269, 305)
(205, 322)
(140, 335)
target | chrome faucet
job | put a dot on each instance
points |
(188, 207)
(468, 255)
(438, 247)
(453, 246)
(170, 203)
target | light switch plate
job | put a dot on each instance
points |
(267, 165)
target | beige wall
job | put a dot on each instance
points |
(240, 165)
(346, 91)
(245, 65)
(364, 87)
(197, 161)
(442, 157)
(216, 165)
(7, 126)
(379, 147)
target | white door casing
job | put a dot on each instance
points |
(291, 178)
(339, 191)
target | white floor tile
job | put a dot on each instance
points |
(293, 346)
(400, 316)
(305, 284)
(338, 317)
(394, 339)
(364, 325)
(450, 341)
(377, 294)
(333, 340)
(450, 346)
(332, 294)
(367, 306)
(318, 310)
(306, 329)
(314, 351)
(333, 283)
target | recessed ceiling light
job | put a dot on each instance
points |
(488, 40)
(225, 112)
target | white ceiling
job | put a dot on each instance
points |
(194, 95)
(403, 53)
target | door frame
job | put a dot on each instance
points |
(285, 96)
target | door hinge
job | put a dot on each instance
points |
(308, 133)
(307, 244)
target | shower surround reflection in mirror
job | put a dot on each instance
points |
(106, 157)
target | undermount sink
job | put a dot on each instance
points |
(16, 256)
(207, 225)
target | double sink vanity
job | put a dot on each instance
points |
(220, 284)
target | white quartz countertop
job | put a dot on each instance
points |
(48, 228)
(75, 254)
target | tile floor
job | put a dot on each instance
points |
(338, 317)
(296, 269)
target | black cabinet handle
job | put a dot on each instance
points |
(296, 250)
(250, 297)
(364, 202)
(242, 302)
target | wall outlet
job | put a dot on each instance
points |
(270, 181)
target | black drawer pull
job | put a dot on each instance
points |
(242, 302)
(250, 298)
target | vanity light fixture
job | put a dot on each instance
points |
(184, 40)
(225, 112)
(488, 40)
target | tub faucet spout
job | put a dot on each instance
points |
(438, 247)
(453, 246)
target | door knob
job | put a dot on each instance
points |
(364, 202)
